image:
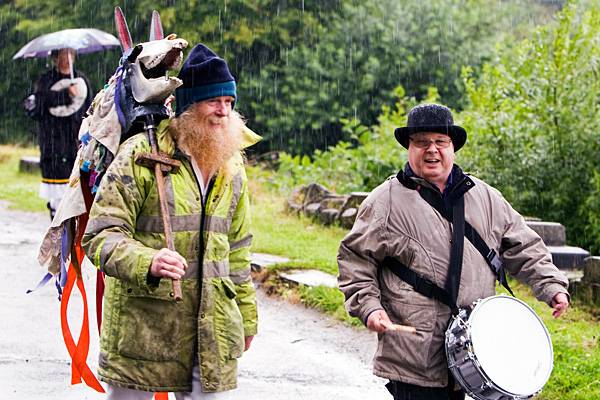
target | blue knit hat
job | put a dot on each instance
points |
(204, 76)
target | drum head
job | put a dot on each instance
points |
(511, 344)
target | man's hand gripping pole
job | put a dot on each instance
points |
(161, 163)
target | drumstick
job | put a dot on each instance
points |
(398, 328)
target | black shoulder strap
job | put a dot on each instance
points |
(456, 249)
(419, 283)
(424, 286)
(490, 255)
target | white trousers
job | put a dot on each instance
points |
(119, 393)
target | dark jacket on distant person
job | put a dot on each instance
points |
(58, 136)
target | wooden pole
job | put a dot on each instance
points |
(162, 197)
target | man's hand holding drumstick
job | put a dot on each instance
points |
(378, 321)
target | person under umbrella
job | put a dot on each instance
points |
(62, 96)
(59, 101)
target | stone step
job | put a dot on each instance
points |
(552, 233)
(591, 270)
(568, 257)
(573, 275)
(587, 288)
(29, 165)
(309, 277)
(258, 261)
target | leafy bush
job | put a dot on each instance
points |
(359, 165)
(365, 50)
(533, 122)
(532, 118)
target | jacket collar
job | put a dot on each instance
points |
(458, 182)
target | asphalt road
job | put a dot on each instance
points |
(298, 353)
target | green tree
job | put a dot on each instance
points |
(368, 49)
(302, 66)
(533, 119)
(370, 156)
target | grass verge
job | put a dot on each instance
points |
(305, 243)
(19, 189)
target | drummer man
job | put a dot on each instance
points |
(405, 263)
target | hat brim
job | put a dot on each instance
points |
(456, 133)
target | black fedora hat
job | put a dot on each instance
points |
(431, 118)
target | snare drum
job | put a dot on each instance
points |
(499, 349)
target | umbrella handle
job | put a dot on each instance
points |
(70, 66)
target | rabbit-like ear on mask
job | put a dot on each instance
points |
(122, 30)
(156, 30)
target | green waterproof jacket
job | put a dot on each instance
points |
(148, 341)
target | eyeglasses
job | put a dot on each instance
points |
(440, 143)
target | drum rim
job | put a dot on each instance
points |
(486, 378)
(454, 369)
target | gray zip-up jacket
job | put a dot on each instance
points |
(395, 221)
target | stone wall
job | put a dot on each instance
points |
(317, 202)
(588, 288)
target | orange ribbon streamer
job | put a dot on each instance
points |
(79, 351)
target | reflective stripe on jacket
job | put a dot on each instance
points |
(148, 341)
(395, 221)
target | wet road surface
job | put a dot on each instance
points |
(298, 354)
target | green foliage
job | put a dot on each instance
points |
(372, 155)
(533, 119)
(302, 67)
(367, 49)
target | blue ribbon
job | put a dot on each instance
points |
(42, 282)
(120, 71)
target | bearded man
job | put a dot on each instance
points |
(150, 343)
